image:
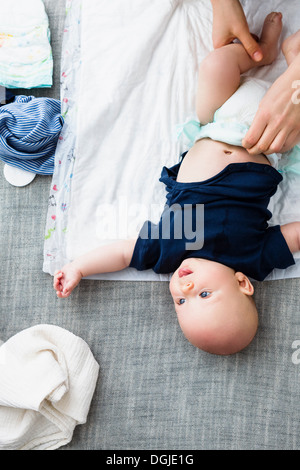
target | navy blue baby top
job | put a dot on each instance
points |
(236, 231)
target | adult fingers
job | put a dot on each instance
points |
(282, 142)
(255, 132)
(279, 141)
(264, 142)
(220, 40)
(250, 44)
(291, 141)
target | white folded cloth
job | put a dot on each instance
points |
(25, 51)
(47, 380)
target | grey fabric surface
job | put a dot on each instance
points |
(155, 391)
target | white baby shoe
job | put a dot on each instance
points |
(16, 176)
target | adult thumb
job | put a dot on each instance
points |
(251, 46)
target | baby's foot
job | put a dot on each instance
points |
(269, 37)
(291, 47)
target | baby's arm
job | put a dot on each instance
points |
(106, 258)
(291, 233)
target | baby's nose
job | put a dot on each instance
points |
(188, 286)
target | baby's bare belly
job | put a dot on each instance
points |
(208, 157)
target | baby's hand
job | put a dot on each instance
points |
(66, 280)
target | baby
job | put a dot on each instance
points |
(210, 286)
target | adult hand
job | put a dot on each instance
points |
(276, 126)
(229, 23)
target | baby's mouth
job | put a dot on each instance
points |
(184, 272)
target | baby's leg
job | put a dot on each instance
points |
(219, 74)
(291, 47)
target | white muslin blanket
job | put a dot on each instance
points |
(127, 84)
(47, 380)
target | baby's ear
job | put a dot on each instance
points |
(244, 284)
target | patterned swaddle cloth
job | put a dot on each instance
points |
(25, 51)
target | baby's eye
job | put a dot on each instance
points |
(204, 294)
(181, 301)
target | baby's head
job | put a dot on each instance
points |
(214, 306)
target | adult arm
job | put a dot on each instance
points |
(229, 23)
(276, 125)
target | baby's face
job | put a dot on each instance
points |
(212, 305)
(200, 284)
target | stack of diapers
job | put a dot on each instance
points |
(47, 380)
(25, 50)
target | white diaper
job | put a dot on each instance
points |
(243, 104)
(233, 119)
